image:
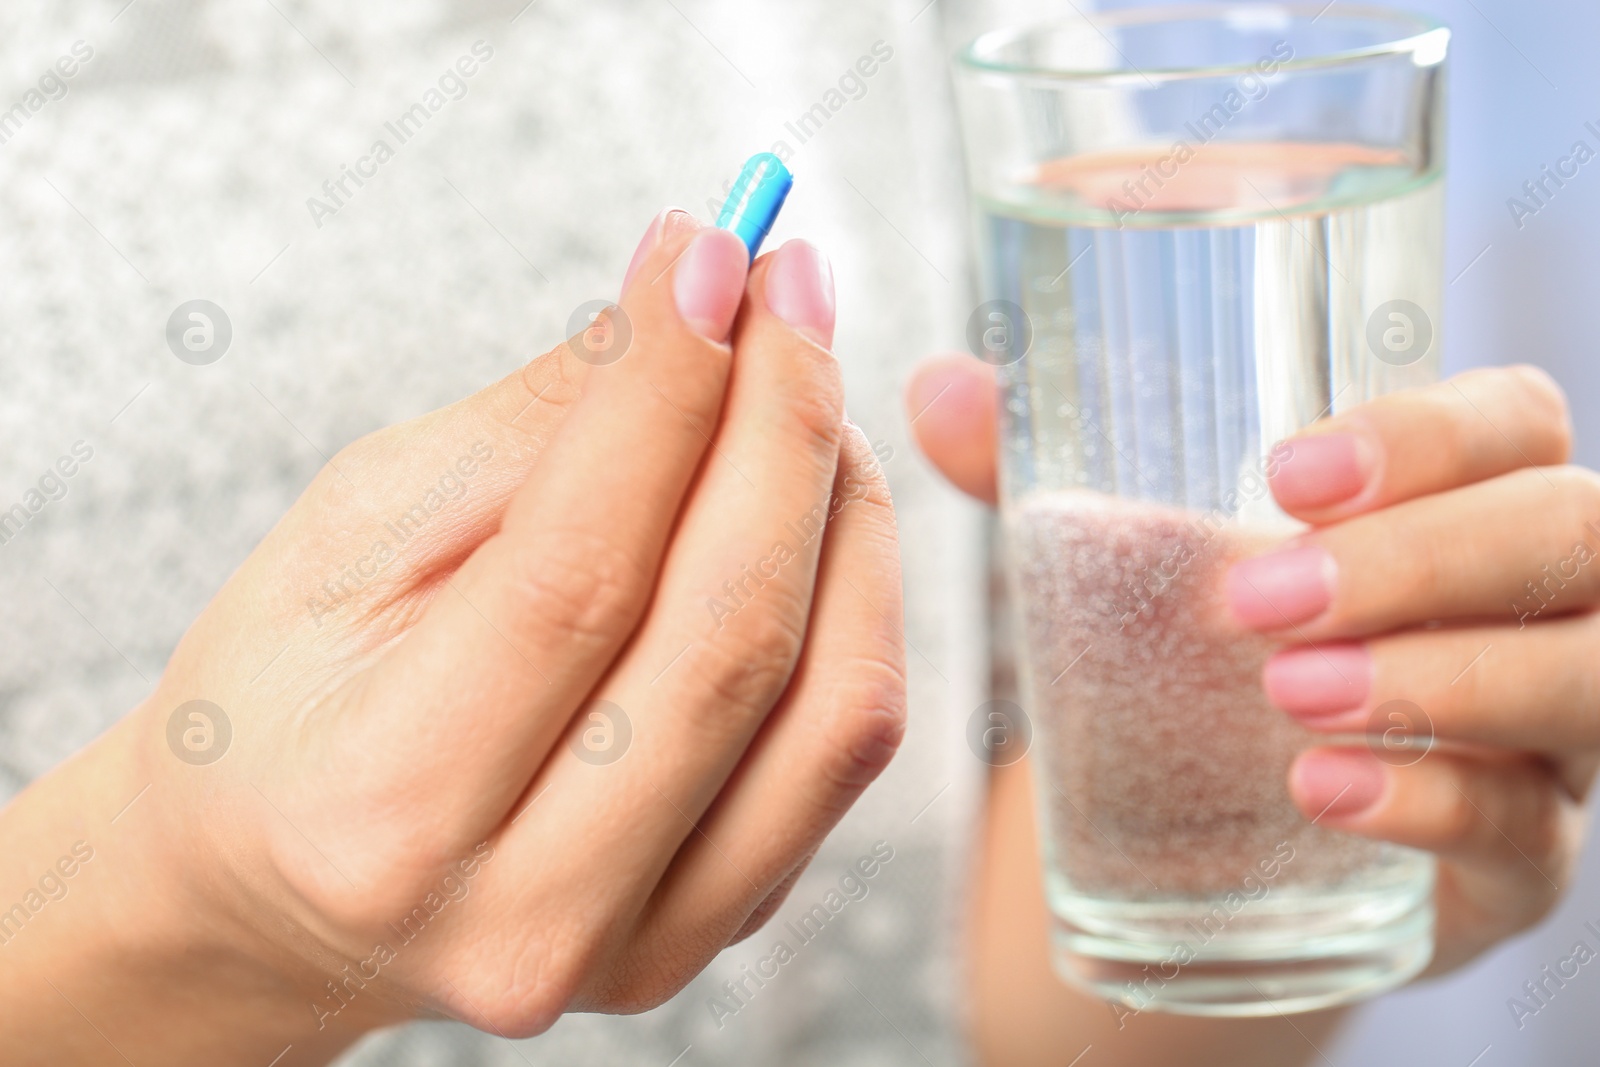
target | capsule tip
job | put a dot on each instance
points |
(766, 163)
(755, 200)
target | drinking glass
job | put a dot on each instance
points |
(1200, 230)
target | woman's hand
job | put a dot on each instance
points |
(1447, 590)
(536, 703)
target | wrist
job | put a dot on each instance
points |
(120, 935)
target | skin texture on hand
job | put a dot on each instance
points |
(628, 651)
(1451, 589)
(1449, 573)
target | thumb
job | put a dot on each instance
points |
(951, 401)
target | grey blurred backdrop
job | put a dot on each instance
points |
(178, 166)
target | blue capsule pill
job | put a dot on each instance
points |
(756, 199)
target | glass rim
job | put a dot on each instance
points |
(1416, 34)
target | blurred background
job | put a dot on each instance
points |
(179, 162)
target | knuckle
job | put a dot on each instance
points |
(1550, 414)
(645, 985)
(749, 662)
(1577, 502)
(1523, 398)
(1577, 487)
(871, 496)
(879, 539)
(770, 904)
(658, 961)
(360, 453)
(550, 385)
(869, 726)
(694, 390)
(862, 479)
(361, 462)
(530, 989)
(581, 585)
(815, 409)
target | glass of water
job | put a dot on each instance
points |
(1201, 229)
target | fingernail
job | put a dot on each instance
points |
(799, 290)
(1311, 683)
(1337, 781)
(708, 282)
(678, 221)
(1323, 469)
(664, 225)
(1282, 588)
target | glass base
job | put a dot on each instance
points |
(1147, 970)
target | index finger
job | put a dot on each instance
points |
(521, 632)
(1421, 441)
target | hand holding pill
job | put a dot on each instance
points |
(531, 769)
